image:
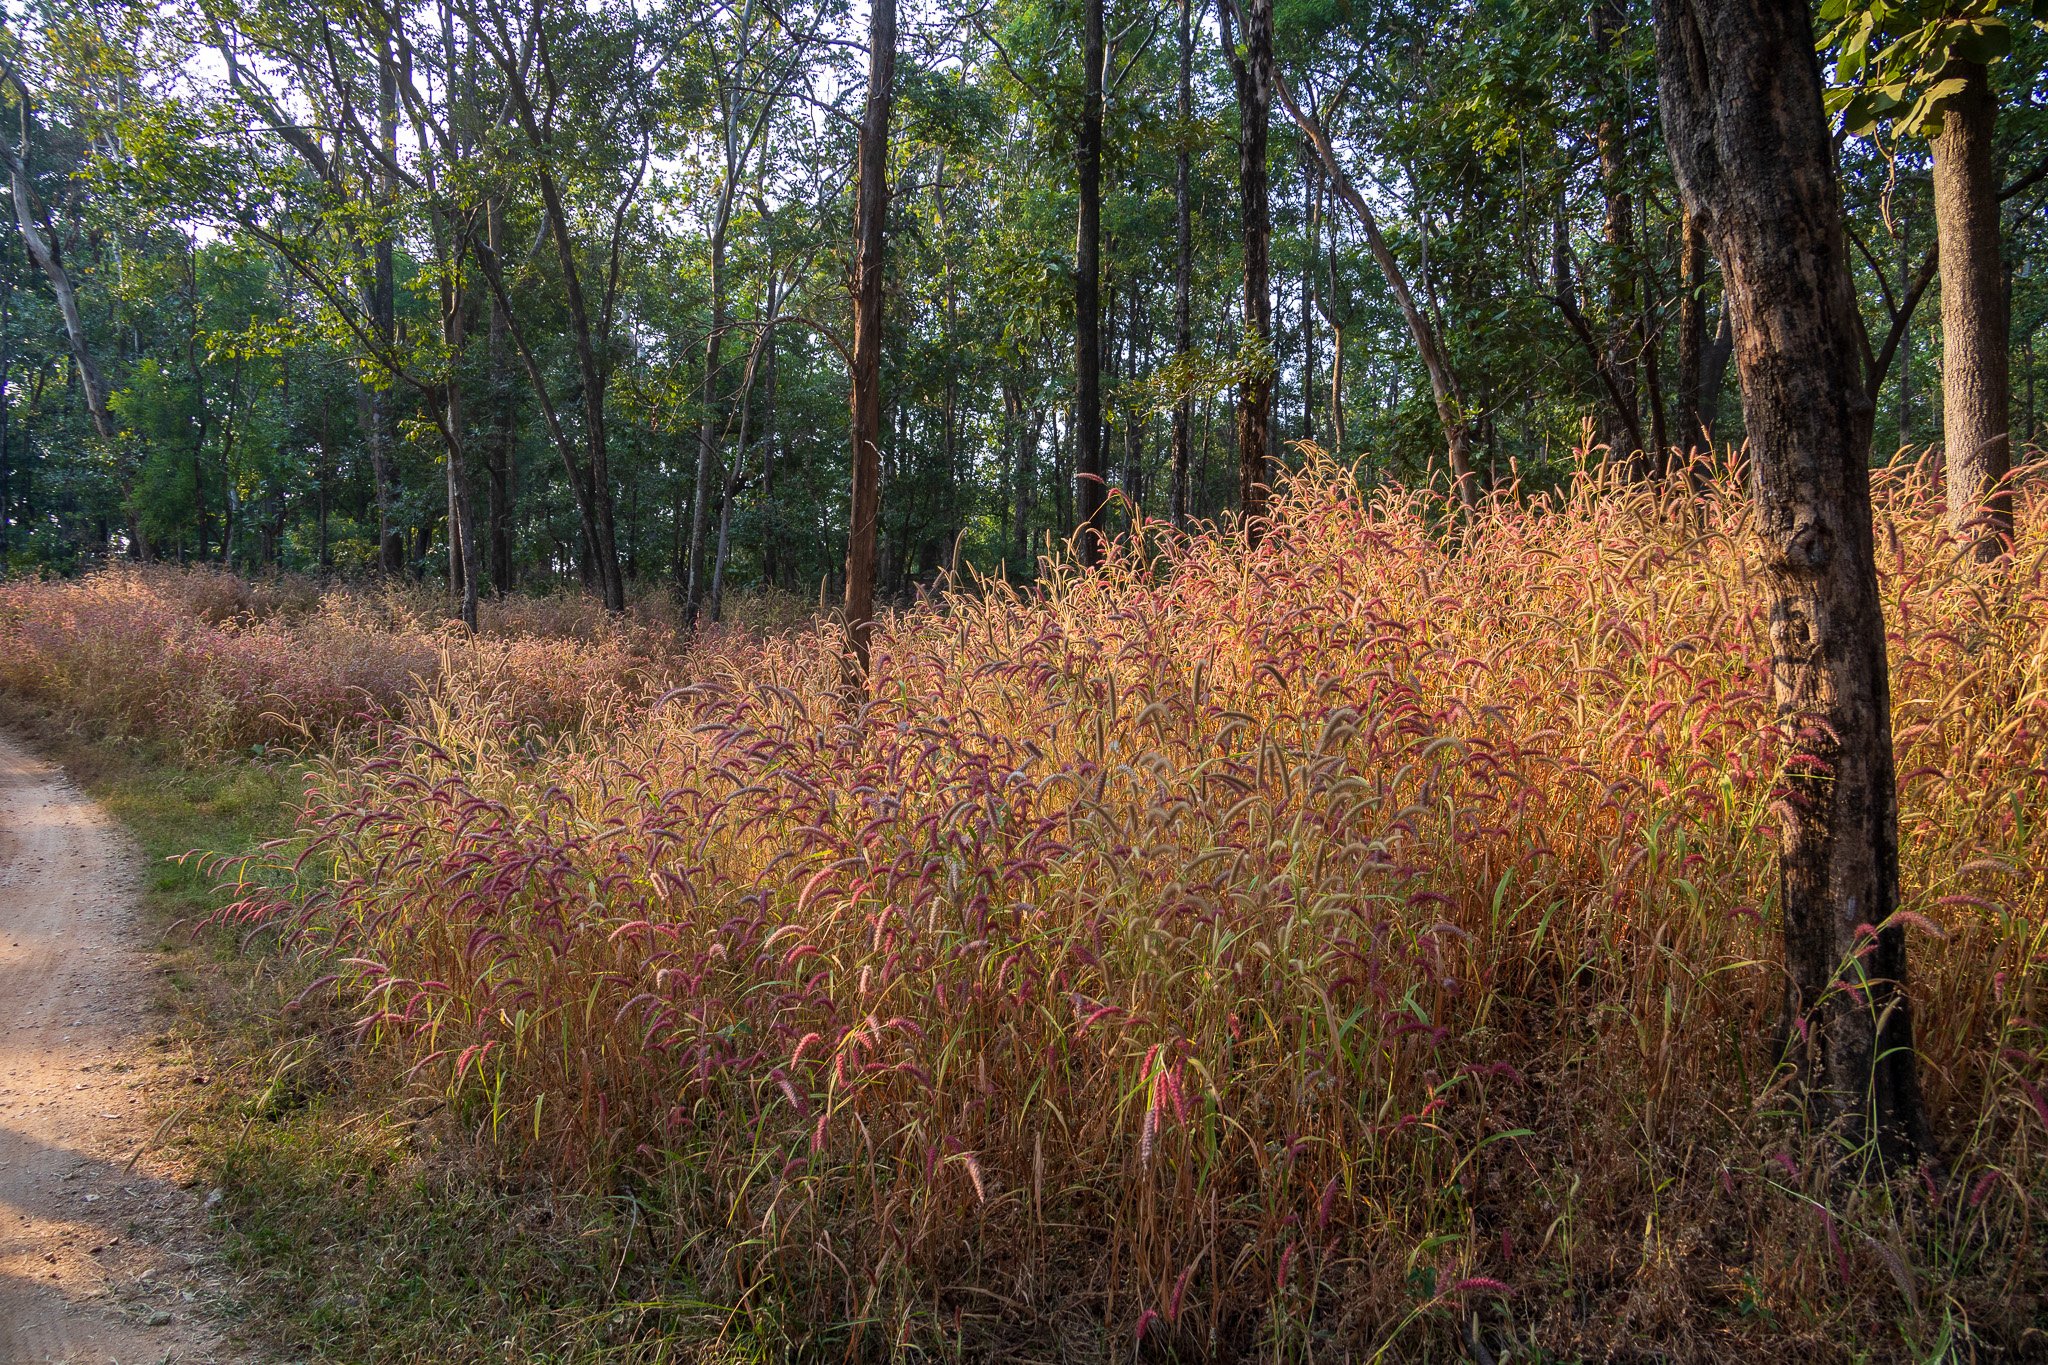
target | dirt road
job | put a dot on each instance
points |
(100, 1260)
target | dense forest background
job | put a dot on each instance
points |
(327, 284)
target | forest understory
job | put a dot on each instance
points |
(1362, 944)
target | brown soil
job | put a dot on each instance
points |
(103, 1250)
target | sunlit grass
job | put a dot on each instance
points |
(1364, 943)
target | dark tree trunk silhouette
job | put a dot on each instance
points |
(1253, 71)
(1624, 424)
(1089, 488)
(1183, 269)
(871, 212)
(383, 433)
(1694, 442)
(1741, 95)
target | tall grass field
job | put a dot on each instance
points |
(1358, 945)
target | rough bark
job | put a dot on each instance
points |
(1741, 97)
(1976, 378)
(871, 210)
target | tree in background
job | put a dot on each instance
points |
(870, 233)
(1925, 66)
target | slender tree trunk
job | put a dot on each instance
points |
(498, 449)
(41, 241)
(1650, 329)
(1692, 341)
(462, 547)
(1254, 77)
(1134, 418)
(1976, 376)
(1905, 356)
(1443, 385)
(1183, 270)
(383, 433)
(1741, 97)
(1624, 425)
(1312, 228)
(326, 560)
(713, 418)
(871, 211)
(771, 516)
(1337, 391)
(1091, 491)
(1028, 437)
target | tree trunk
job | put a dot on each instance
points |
(41, 241)
(1692, 344)
(383, 432)
(1312, 225)
(871, 211)
(771, 517)
(498, 455)
(1714, 371)
(1183, 271)
(1337, 391)
(712, 420)
(1741, 95)
(1443, 385)
(1976, 377)
(1134, 416)
(462, 547)
(1254, 78)
(1650, 328)
(1091, 491)
(1028, 437)
(1624, 426)
(1905, 355)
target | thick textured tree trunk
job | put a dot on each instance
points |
(1089, 489)
(1183, 270)
(871, 212)
(1254, 75)
(1976, 376)
(1741, 95)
